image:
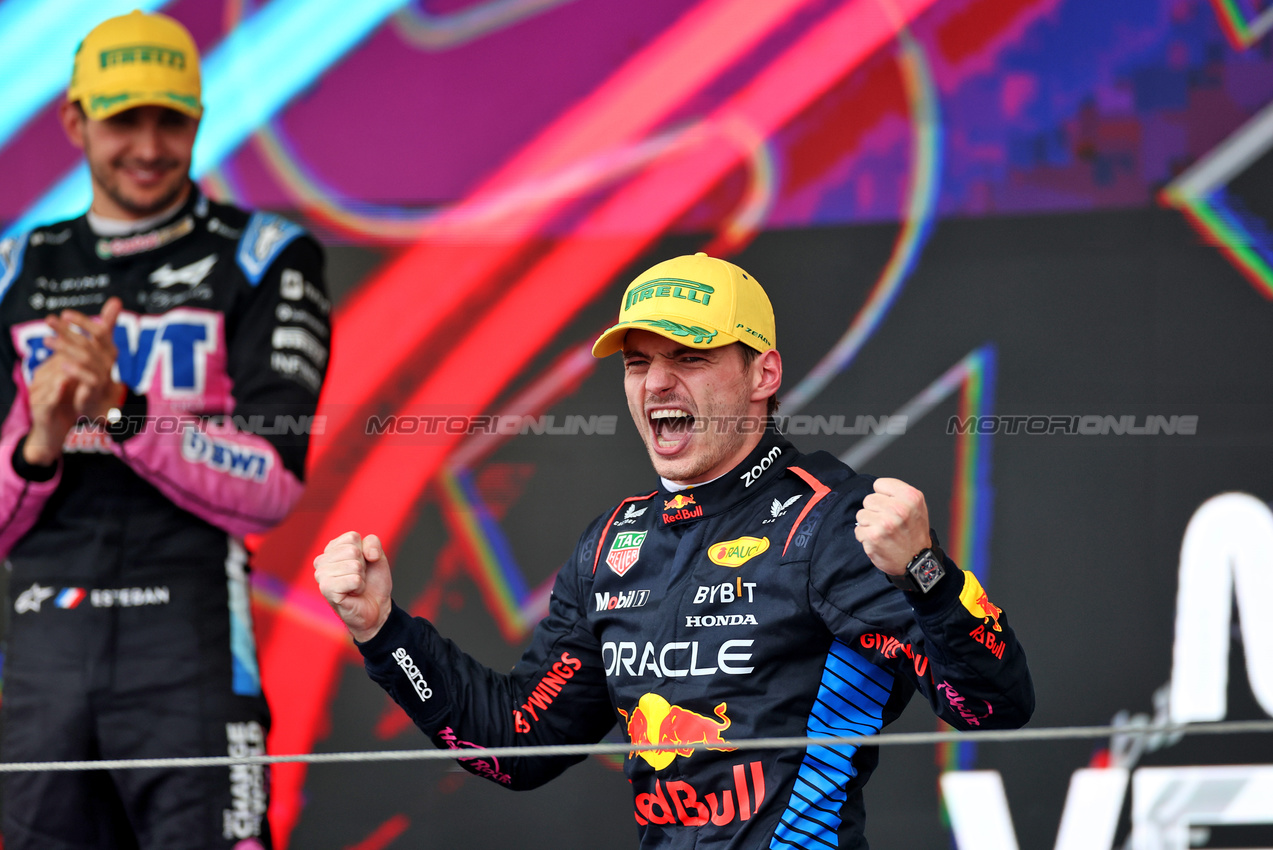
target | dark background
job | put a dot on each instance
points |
(1107, 314)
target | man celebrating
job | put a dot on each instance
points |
(757, 592)
(139, 446)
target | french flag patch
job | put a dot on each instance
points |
(70, 597)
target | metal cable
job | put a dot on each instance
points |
(1060, 733)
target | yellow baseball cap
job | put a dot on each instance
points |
(136, 59)
(700, 301)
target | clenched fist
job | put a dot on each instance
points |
(353, 575)
(893, 525)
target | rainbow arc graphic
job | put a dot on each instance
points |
(1242, 23)
(1210, 195)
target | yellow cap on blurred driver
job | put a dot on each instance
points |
(136, 59)
(700, 301)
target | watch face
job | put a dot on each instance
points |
(927, 571)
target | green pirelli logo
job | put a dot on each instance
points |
(192, 102)
(143, 53)
(670, 287)
(99, 102)
(702, 336)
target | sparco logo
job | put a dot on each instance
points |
(693, 621)
(413, 673)
(630, 599)
(247, 782)
(752, 475)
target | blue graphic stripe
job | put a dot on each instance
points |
(833, 761)
(11, 253)
(882, 678)
(850, 701)
(815, 805)
(246, 674)
(818, 783)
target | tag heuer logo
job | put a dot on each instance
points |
(625, 551)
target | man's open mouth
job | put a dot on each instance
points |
(671, 427)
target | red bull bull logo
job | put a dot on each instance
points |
(682, 507)
(978, 603)
(677, 502)
(655, 721)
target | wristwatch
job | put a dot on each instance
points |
(924, 570)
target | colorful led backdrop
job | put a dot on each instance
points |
(1035, 210)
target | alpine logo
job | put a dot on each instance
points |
(191, 275)
(629, 599)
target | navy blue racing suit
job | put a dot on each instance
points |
(741, 608)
